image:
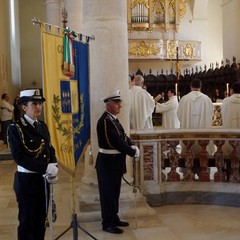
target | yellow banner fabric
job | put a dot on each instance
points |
(59, 123)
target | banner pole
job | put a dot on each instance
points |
(74, 224)
(74, 213)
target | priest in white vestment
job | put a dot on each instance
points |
(230, 108)
(195, 109)
(230, 111)
(169, 111)
(142, 106)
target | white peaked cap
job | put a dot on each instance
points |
(115, 96)
(31, 95)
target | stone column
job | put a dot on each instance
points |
(107, 20)
(11, 82)
(54, 12)
(74, 11)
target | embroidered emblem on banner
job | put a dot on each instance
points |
(68, 104)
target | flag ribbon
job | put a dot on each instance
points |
(68, 67)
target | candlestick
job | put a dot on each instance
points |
(176, 88)
(227, 89)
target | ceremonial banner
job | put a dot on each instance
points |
(67, 107)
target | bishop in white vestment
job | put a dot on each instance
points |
(142, 106)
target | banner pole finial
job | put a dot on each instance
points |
(64, 16)
(36, 21)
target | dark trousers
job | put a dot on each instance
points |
(109, 184)
(31, 216)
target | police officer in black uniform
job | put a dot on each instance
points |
(114, 145)
(30, 145)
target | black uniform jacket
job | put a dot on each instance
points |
(31, 150)
(111, 135)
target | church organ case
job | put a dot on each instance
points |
(147, 15)
(154, 17)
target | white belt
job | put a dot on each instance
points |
(109, 151)
(23, 170)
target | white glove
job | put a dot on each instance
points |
(51, 179)
(52, 169)
(137, 153)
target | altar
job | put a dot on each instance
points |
(217, 117)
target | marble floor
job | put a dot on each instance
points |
(176, 222)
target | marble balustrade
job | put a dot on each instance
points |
(188, 163)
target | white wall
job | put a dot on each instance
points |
(30, 37)
(231, 32)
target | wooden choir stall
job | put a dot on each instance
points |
(216, 83)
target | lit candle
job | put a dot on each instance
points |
(227, 89)
(176, 88)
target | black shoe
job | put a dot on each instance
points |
(115, 230)
(122, 224)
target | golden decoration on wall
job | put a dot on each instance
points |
(143, 49)
(172, 8)
(182, 8)
(164, 49)
(136, 2)
(158, 11)
(188, 50)
(171, 50)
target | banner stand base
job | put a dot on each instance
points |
(75, 225)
